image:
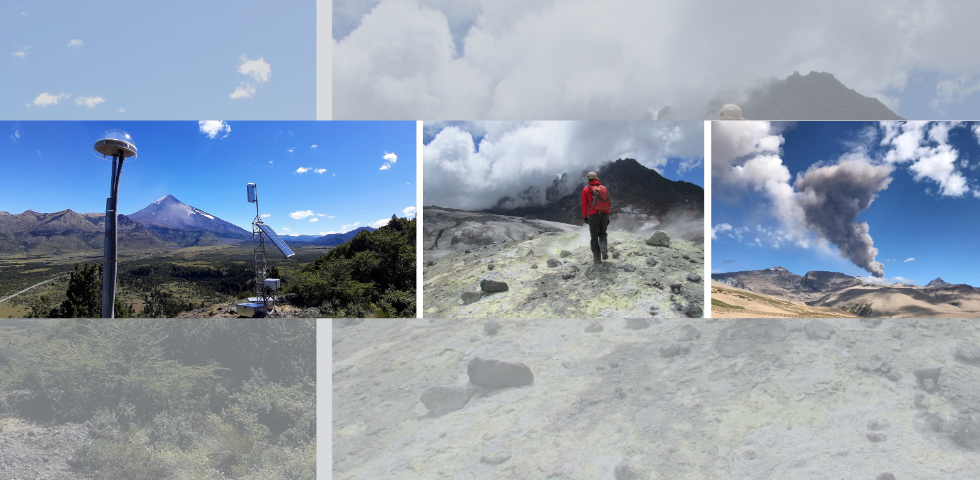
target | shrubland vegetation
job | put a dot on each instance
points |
(177, 398)
(373, 275)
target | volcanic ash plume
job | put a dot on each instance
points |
(833, 196)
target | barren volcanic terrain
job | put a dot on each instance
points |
(482, 265)
(649, 398)
(851, 294)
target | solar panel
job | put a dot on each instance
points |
(269, 232)
(251, 192)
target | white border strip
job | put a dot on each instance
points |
(418, 223)
(324, 59)
(707, 219)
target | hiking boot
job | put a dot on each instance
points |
(605, 255)
(596, 261)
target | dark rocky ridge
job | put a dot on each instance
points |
(633, 188)
(814, 96)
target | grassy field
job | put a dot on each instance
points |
(195, 275)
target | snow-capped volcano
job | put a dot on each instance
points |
(172, 213)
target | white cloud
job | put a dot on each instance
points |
(15, 136)
(471, 166)
(285, 229)
(720, 228)
(926, 146)
(46, 99)
(270, 161)
(89, 102)
(321, 215)
(408, 211)
(291, 150)
(390, 159)
(300, 214)
(302, 170)
(212, 128)
(348, 227)
(380, 223)
(245, 90)
(910, 259)
(75, 43)
(321, 171)
(332, 216)
(887, 281)
(21, 53)
(266, 215)
(410, 59)
(314, 219)
(313, 146)
(122, 110)
(259, 69)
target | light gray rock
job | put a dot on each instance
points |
(637, 323)
(659, 239)
(693, 277)
(495, 459)
(689, 332)
(442, 399)
(553, 262)
(564, 253)
(594, 327)
(693, 310)
(491, 327)
(499, 374)
(885, 476)
(629, 268)
(652, 261)
(968, 352)
(674, 349)
(818, 330)
(471, 297)
(876, 437)
(965, 431)
(623, 471)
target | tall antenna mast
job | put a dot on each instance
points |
(259, 305)
(118, 145)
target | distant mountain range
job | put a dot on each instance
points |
(840, 291)
(633, 188)
(165, 223)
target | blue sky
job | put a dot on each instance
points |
(175, 60)
(49, 166)
(923, 228)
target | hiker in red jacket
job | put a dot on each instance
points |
(595, 210)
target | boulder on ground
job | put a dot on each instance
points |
(659, 239)
(594, 327)
(553, 262)
(491, 327)
(689, 332)
(637, 323)
(968, 352)
(498, 374)
(442, 399)
(470, 297)
(818, 330)
(564, 253)
(493, 284)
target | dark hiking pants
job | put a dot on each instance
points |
(597, 230)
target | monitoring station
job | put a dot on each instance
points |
(265, 288)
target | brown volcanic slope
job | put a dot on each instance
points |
(842, 292)
(731, 302)
(633, 188)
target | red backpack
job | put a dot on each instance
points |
(600, 198)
